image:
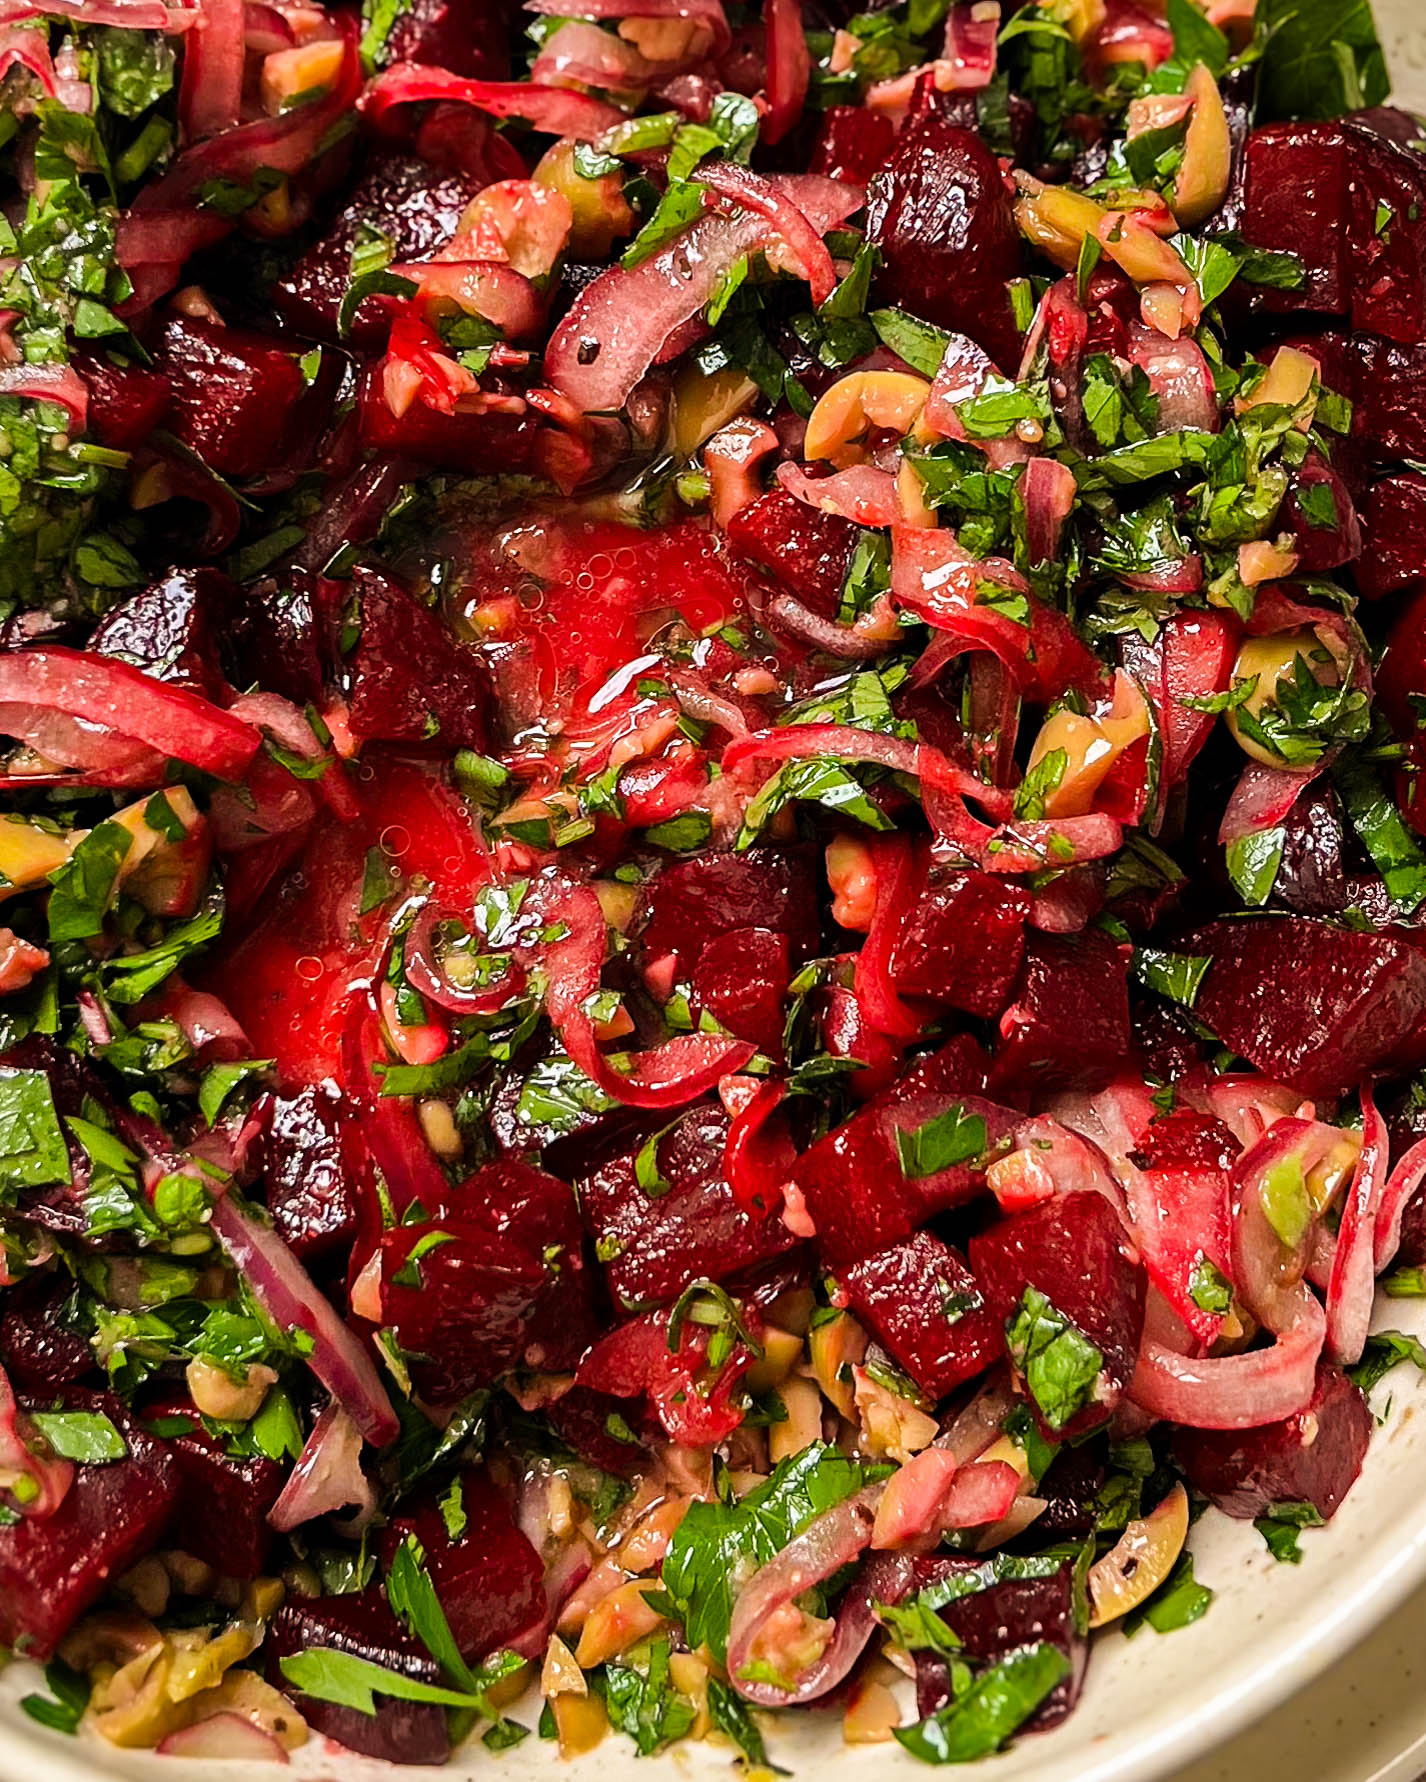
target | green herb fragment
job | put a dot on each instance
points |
(1282, 1524)
(63, 1709)
(996, 1705)
(33, 1152)
(1178, 976)
(947, 1139)
(1385, 1350)
(88, 1438)
(920, 344)
(1178, 1602)
(1059, 1364)
(220, 1081)
(642, 1702)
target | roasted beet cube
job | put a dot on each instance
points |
(1186, 1139)
(1385, 382)
(1394, 533)
(853, 143)
(1296, 202)
(41, 1347)
(310, 1193)
(1317, 1007)
(220, 1516)
(126, 402)
(235, 393)
(1074, 1253)
(846, 1033)
(469, 443)
(363, 1626)
(662, 1214)
(741, 979)
(1312, 1457)
(597, 1428)
(963, 940)
(172, 629)
(1068, 1026)
(801, 548)
(51, 1571)
(699, 899)
(991, 1623)
(940, 212)
(1323, 520)
(274, 639)
(409, 680)
(1070, 1491)
(921, 1303)
(489, 1578)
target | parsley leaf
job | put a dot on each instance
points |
(945, 1140)
(1059, 1364)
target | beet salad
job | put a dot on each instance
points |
(713, 954)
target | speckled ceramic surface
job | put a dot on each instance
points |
(1228, 1697)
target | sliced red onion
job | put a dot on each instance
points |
(24, 46)
(1183, 577)
(288, 1295)
(208, 1024)
(582, 52)
(774, 201)
(265, 29)
(133, 15)
(1179, 377)
(845, 642)
(618, 325)
(789, 67)
(49, 1479)
(49, 383)
(894, 861)
(758, 1156)
(981, 1422)
(972, 31)
(551, 109)
(1401, 1185)
(210, 94)
(708, 13)
(700, 701)
(327, 1477)
(425, 975)
(1353, 1279)
(1237, 1391)
(1048, 491)
(835, 1538)
(1247, 1105)
(225, 1735)
(795, 742)
(1262, 799)
(863, 494)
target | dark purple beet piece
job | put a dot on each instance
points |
(922, 1304)
(362, 1626)
(274, 639)
(1068, 1026)
(51, 1571)
(1314, 1006)
(172, 629)
(466, 39)
(223, 1499)
(1323, 520)
(852, 143)
(940, 212)
(655, 1240)
(1186, 1139)
(1074, 1251)
(235, 394)
(696, 900)
(1070, 1488)
(963, 941)
(802, 549)
(38, 1349)
(310, 1194)
(593, 1425)
(126, 402)
(489, 1578)
(1394, 535)
(1165, 1045)
(1312, 878)
(409, 680)
(741, 979)
(1313, 1457)
(994, 1622)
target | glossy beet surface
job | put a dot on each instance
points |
(923, 1305)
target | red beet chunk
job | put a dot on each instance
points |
(1186, 1139)
(362, 1626)
(223, 1499)
(469, 40)
(1070, 1490)
(846, 1033)
(489, 1578)
(1315, 1006)
(1402, 674)
(852, 143)
(1074, 1251)
(1068, 1027)
(1323, 520)
(802, 549)
(415, 205)
(171, 630)
(409, 680)
(469, 444)
(38, 1349)
(310, 1194)
(1312, 1457)
(274, 639)
(235, 394)
(922, 1304)
(51, 1571)
(741, 979)
(710, 895)
(994, 1622)
(654, 1241)
(1394, 533)
(963, 942)
(597, 1427)
(940, 212)
(126, 402)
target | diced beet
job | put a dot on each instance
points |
(586, 1421)
(922, 1304)
(1074, 1251)
(1312, 878)
(991, 1623)
(1068, 1027)
(1383, 380)
(363, 1626)
(1394, 536)
(1312, 1457)
(273, 639)
(223, 1499)
(853, 142)
(852, 1180)
(1314, 1006)
(489, 1578)
(1070, 1489)
(172, 629)
(409, 680)
(741, 979)
(801, 548)
(310, 1193)
(846, 1033)
(39, 1349)
(469, 40)
(1402, 674)
(963, 940)
(1186, 1139)
(51, 1571)
(696, 900)
(940, 212)
(654, 1241)
(471, 444)
(416, 206)
(126, 402)
(1167, 1048)
(1323, 520)
(235, 393)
